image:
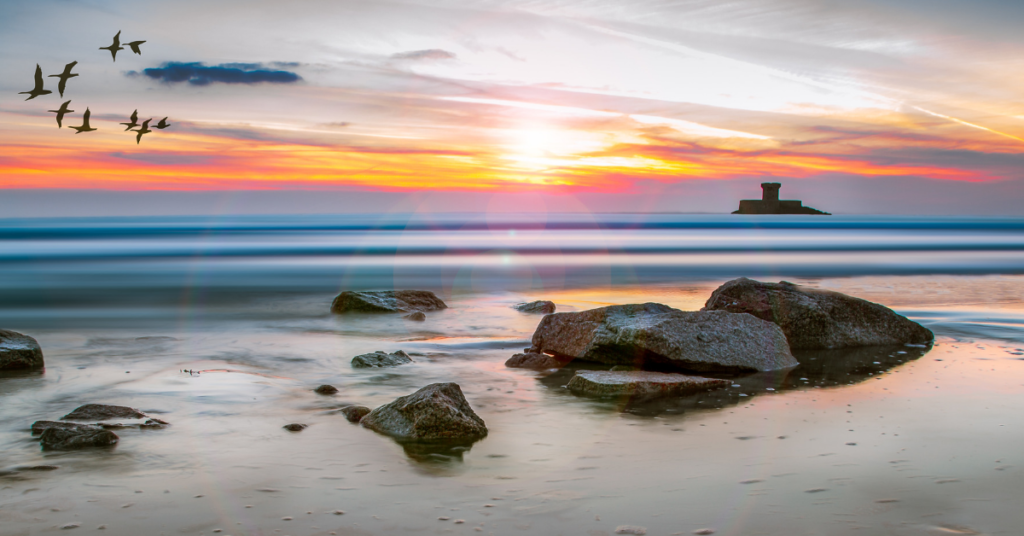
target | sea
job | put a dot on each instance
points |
(222, 327)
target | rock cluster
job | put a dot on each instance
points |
(60, 435)
(817, 319)
(386, 301)
(381, 359)
(436, 412)
(18, 351)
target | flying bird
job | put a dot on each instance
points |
(64, 76)
(60, 112)
(162, 124)
(143, 130)
(114, 47)
(85, 124)
(38, 90)
(135, 46)
(135, 121)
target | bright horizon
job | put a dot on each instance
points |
(897, 106)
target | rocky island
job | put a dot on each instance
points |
(771, 204)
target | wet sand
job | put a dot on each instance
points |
(866, 442)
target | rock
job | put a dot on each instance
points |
(622, 368)
(39, 427)
(82, 436)
(534, 361)
(817, 319)
(294, 427)
(653, 335)
(417, 316)
(386, 301)
(640, 384)
(102, 412)
(539, 307)
(438, 411)
(19, 351)
(326, 390)
(381, 359)
(355, 413)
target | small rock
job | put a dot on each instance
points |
(326, 390)
(18, 351)
(355, 413)
(639, 384)
(294, 427)
(630, 529)
(459, 521)
(67, 526)
(338, 512)
(443, 518)
(417, 316)
(386, 301)
(76, 438)
(534, 361)
(381, 359)
(438, 411)
(704, 531)
(536, 307)
(102, 412)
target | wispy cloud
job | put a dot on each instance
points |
(197, 74)
(432, 54)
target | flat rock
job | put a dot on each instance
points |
(640, 384)
(416, 316)
(381, 359)
(83, 436)
(102, 412)
(537, 307)
(39, 427)
(652, 335)
(534, 361)
(18, 351)
(818, 319)
(386, 301)
(355, 413)
(326, 390)
(436, 412)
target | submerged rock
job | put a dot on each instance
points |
(534, 361)
(639, 384)
(817, 319)
(326, 390)
(354, 414)
(436, 412)
(386, 301)
(18, 351)
(539, 307)
(417, 316)
(652, 335)
(295, 427)
(102, 412)
(381, 359)
(80, 436)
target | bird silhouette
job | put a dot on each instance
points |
(64, 77)
(162, 124)
(38, 90)
(134, 123)
(135, 46)
(84, 127)
(60, 112)
(143, 130)
(114, 47)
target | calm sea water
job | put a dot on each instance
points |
(898, 440)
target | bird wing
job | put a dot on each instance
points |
(135, 46)
(85, 118)
(135, 116)
(39, 77)
(117, 40)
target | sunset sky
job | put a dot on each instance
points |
(877, 106)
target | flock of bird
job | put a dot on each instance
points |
(39, 90)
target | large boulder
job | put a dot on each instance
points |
(652, 335)
(639, 385)
(76, 437)
(537, 307)
(386, 301)
(818, 319)
(437, 412)
(381, 359)
(18, 351)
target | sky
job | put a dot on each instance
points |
(892, 107)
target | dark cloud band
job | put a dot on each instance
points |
(198, 74)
